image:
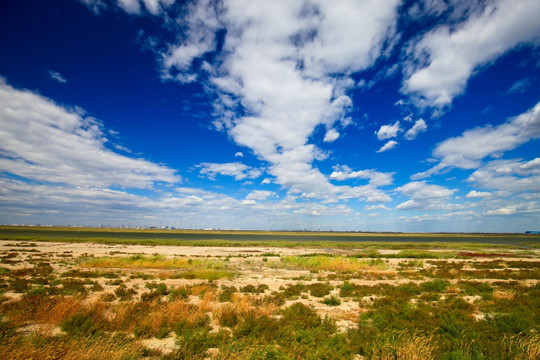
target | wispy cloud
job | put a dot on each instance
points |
(388, 146)
(519, 86)
(43, 141)
(236, 169)
(56, 76)
(443, 60)
(96, 6)
(467, 151)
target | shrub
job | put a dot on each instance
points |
(436, 285)
(319, 289)
(142, 331)
(332, 301)
(80, 324)
(254, 289)
(227, 293)
(346, 290)
(228, 316)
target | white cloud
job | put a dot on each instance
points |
(423, 8)
(130, 6)
(420, 190)
(448, 56)
(510, 210)
(388, 131)
(331, 136)
(418, 127)
(512, 176)
(239, 154)
(266, 181)
(259, 195)
(202, 23)
(377, 207)
(375, 178)
(388, 146)
(154, 7)
(236, 169)
(56, 76)
(258, 73)
(425, 196)
(43, 141)
(478, 194)
(467, 151)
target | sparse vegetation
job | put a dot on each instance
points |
(408, 303)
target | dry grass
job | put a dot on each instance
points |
(405, 347)
(42, 310)
(331, 263)
(529, 347)
(152, 262)
(503, 295)
(207, 269)
(73, 348)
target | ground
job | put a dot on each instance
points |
(84, 300)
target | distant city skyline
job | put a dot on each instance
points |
(403, 116)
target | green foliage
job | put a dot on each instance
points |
(80, 324)
(332, 301)
(226, 293)
(123, 293)
(436, 285)
(259, 289)
(319, 289)
(142, 331)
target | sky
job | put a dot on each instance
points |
(413, 116)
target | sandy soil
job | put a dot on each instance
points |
(248, 262)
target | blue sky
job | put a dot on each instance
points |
(235, 114)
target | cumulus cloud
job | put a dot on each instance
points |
(236, 169)
(443, 59)
(418, 127)
(388, 146)
(239, 154)
(468, 150)
(512, 176)
(425, 196)
(259, 195)
(376, 207)
(283, 77)
(43, 141)
(478, 194)
(388, 131)
(375, 177)
(331, 136)
(202, 23)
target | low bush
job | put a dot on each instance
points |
(332, 301)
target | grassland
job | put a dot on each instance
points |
(118, 299)
(291, 239)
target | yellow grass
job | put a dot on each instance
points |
(68, 348)
(331, 263)
(405, 347)
(152, 262)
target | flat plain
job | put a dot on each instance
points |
(123, 294)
